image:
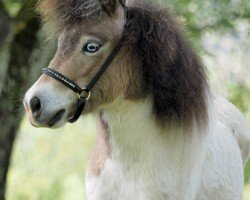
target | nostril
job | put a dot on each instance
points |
(35, 105)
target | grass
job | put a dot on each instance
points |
(50, 164)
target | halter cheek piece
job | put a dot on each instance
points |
(84, 93)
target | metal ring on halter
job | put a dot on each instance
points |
(84, 91)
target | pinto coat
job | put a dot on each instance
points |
(162, 134)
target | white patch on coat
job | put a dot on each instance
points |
(151, 163)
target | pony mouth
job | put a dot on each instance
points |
(57, 117)
(72, 111)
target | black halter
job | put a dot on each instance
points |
(83, 93)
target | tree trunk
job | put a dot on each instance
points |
(15, 52)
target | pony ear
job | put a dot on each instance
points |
(110, 6)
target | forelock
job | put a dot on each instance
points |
(57, 14)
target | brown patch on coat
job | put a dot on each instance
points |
(102, 148)
(122, 78)
(161, 63)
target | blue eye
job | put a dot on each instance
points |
(91, 47)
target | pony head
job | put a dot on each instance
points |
(155, 62)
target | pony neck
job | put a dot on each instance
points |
(131, 129)
(134, 135)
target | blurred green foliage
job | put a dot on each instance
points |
(50, 164)
(240, 96)
(212, 15)
(202, 15)
(12, 8)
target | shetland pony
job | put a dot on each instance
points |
(162, 134)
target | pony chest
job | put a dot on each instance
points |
(123, 183)
(145, 175)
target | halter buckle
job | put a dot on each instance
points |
(84, 94)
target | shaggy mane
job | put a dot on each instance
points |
(172, 72)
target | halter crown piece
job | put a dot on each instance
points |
(84, 93)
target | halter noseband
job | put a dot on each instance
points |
(84, 93)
